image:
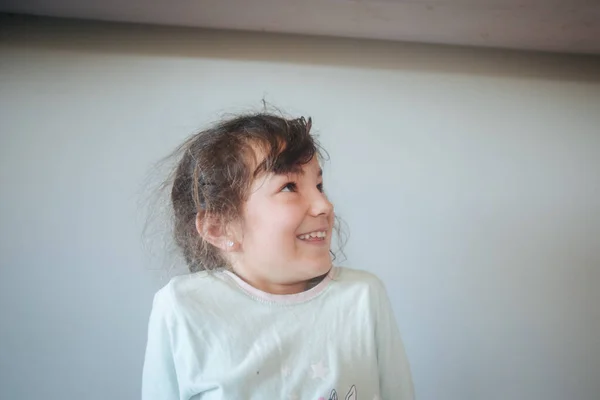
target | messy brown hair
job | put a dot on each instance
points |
(216, 168)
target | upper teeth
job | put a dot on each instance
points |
(320, 234)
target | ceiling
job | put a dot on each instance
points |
(548, 25)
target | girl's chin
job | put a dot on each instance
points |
(317, 269)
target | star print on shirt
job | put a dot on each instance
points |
(319, 371)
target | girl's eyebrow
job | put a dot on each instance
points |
(300, 172)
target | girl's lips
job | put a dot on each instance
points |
(314, 240)
(320, 229)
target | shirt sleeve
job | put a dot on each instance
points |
(395, 378)
(159, 378)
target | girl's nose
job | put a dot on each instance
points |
(320, 205)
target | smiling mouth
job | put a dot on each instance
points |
(316, 236)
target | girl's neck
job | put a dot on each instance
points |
(271, 287)
(280, 289)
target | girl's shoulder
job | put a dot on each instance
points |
(358, 280)
(355, 276)
(184, 290)
(203, 290)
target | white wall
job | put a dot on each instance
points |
(470, 181)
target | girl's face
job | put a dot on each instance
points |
(287, 226)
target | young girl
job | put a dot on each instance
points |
(264, 315)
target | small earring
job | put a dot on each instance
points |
(230, 243)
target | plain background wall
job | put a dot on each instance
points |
(470, 181)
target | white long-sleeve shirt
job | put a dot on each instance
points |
(213, 336)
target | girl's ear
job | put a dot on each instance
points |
(213, 231)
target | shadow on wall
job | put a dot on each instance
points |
(91, 36)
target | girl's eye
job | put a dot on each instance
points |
(289, 187)
(320, 187)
